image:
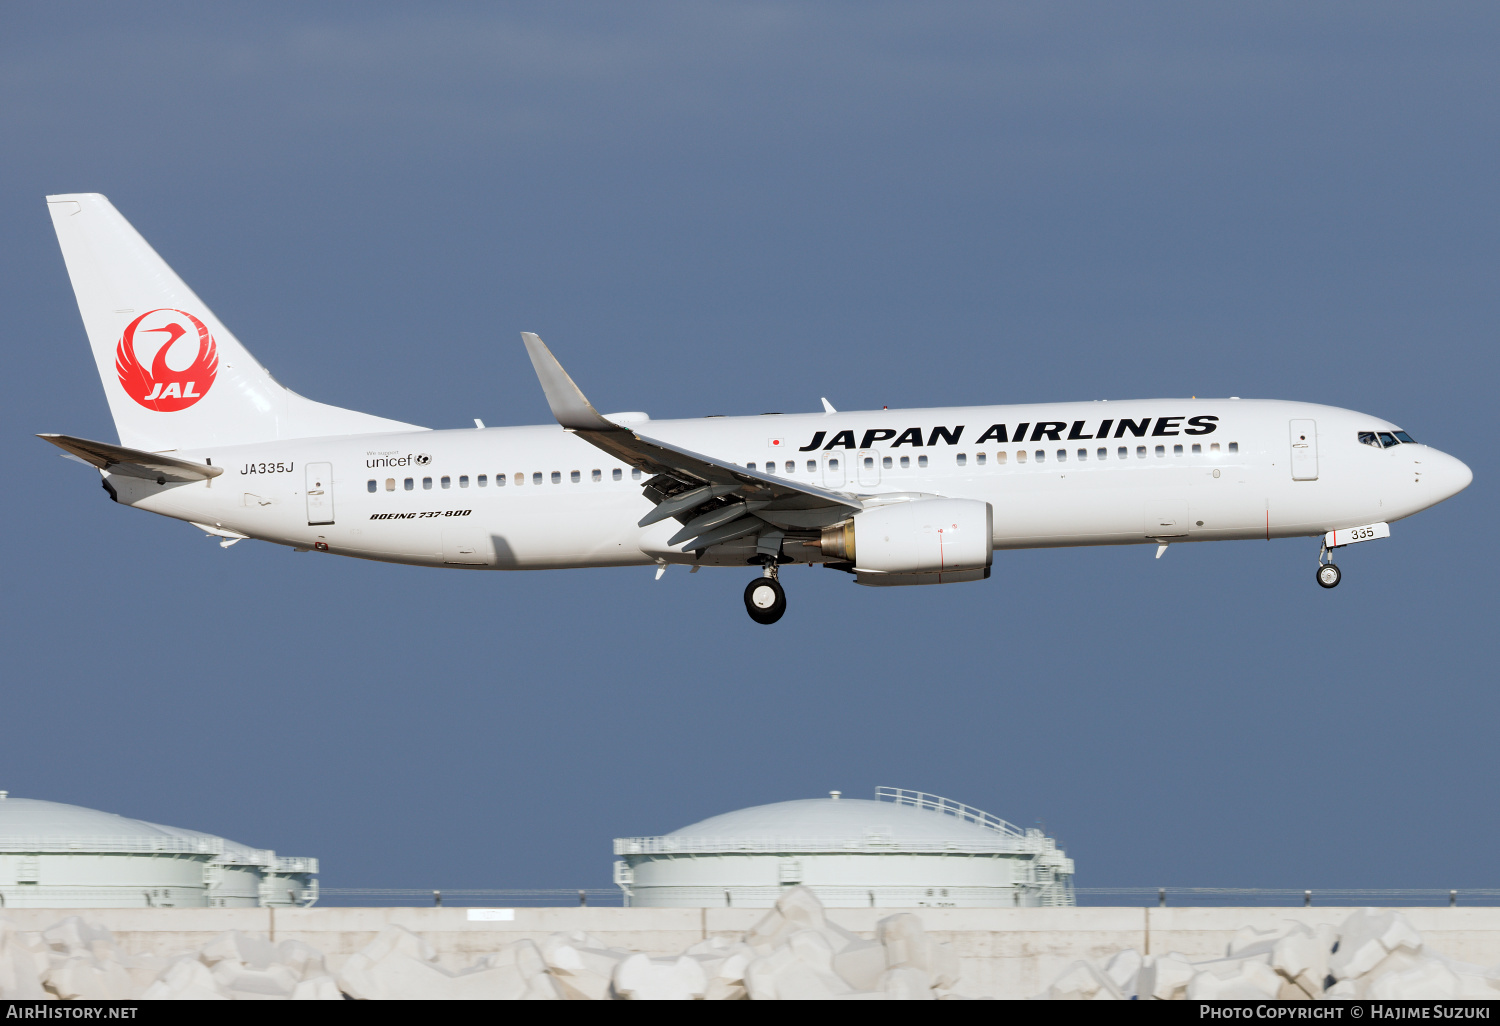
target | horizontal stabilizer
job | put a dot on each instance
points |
(132, 462)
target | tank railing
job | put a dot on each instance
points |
(224, 854)
(109, 845)
(948, 807)
(294, 864)
(1007, 844)
(241, 857)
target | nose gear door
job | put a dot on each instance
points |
(1304, 450)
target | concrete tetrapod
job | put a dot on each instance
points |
(1374, 953)
(793, 952)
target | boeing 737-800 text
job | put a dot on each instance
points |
(892, 497)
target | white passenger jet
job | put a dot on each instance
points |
(891, 497)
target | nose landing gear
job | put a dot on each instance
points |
(1328, 574)
(764, 599)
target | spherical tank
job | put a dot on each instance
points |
(905, 849)
(54, 855)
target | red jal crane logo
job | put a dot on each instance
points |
(165, 388)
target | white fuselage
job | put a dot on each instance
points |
(437, 500)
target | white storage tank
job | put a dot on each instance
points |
(905, 849)
(65, 856)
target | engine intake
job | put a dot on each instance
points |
(925, 536)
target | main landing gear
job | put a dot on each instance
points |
(764, 599)
(1328, 574)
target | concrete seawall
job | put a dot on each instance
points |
(1003, 952)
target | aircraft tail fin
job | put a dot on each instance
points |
(175, 376)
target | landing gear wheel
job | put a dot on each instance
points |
(764, 600)
(1329, 575)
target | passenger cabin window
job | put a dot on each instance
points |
(886, 462)
(750, 465)
(1083, 454)
(1021, 456)
(372, 485)
(1040, 455)
(905, 463)
(427, 484)
(979, 458)
(870, 462)
(484, 479)
(536, 478)
(1124, 452)
(1176, 450)
(635, 473)
(833, 464)
(410, 484)
(1062, 455)
(1140, 452)
(616, 474)
(1161, 451)
(597, 475)
(1101, 453)
(812, 466)
(1213, 447)
(463, 480)
(921, 461)
(963, 458)
(575, 476)
(1000, 457)
(1197, 448)
(390, 484)
(1234, 446)
(446, 482)
(791, 466)
(521, 478)
(557, 477)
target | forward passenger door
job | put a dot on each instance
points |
(1304, 450)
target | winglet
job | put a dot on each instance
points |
(568, 404)
(828, 406)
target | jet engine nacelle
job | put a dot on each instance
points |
(941, 540)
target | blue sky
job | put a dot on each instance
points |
(738, 207)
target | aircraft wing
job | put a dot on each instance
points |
(133, 462)
(715, 500)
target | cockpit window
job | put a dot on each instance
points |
(1387, 439)
(1368, 438)
(1402, 436)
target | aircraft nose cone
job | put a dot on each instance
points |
(1448, 475)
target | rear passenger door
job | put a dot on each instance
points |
(319, 493)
